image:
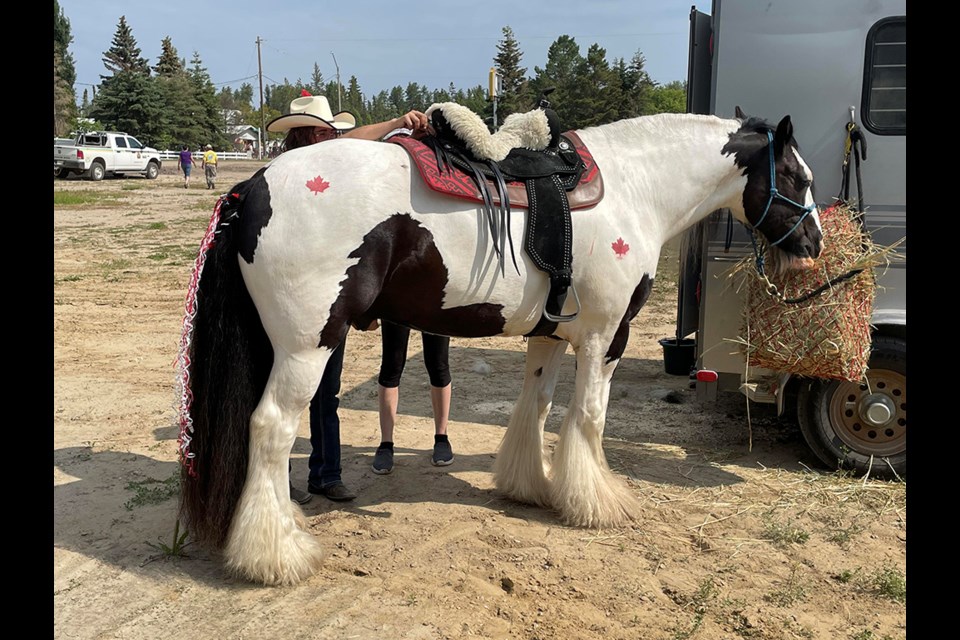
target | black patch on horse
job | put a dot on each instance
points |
(401, 277)
(749, 146)
(254, 196)
(637, 300)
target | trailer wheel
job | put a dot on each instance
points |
(856, 426)
(97, 171)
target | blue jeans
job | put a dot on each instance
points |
(325, 424)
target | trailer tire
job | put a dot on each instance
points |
(97, 171)
(852, 426)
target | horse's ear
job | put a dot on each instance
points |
(782, 136)
(738, 112)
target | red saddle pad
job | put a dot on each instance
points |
(458, 184)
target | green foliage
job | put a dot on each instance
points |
(152, 491)
(64, 75)
(890, 583)
(73, 198)
(783, 534)
(515, 96)
(669, 98)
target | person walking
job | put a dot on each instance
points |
(185, 164)
(311, 121)
(210, 166)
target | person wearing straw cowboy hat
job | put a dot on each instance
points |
(310, 121)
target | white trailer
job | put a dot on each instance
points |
(827, 64)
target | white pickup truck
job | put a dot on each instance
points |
(97, 154)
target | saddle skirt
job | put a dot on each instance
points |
(457, 183)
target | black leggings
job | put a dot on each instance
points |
(436, 351)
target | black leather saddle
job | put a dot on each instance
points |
(547, 175)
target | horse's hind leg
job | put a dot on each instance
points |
(519, 470)
(266, 542)
(584, 490)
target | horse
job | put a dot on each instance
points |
(339, 234)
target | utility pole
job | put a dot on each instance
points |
(339, 98)
(260, 137)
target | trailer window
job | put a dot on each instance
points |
(885, 78)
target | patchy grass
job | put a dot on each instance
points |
(131, 187)
(72, 278)
(889, 583)
(790, 591)
(706, 593)
(150, 492)
(157, 226)
(783, 534)
(75, 198)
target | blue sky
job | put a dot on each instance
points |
(384, 44)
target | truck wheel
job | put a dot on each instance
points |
(63, 174)
(97, 171)
(856, 426)
(152, 171)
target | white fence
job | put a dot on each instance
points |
(198, 155)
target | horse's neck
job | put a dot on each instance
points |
(672, 163)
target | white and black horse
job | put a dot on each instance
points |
(337, 234)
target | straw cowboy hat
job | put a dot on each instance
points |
(312, 111)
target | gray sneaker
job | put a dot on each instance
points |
(298, 496)
(383, 461)
(442, 454)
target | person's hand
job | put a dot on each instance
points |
(414, 120)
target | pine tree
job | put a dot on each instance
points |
(168, 64)
(124, 54)
(515, 97)
(352, 100)
(600, 97)
(64, 75)
(317, 82)
(129, 99)
(636, 87)
(208, 115)
(564, 72)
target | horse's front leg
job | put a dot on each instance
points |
(519, 470)
(584, 490)
(267, 541)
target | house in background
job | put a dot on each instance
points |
(245, 137)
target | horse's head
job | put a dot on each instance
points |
(778, 196)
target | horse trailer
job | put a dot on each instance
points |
(839, 70)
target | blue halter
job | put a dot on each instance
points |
(776, 194)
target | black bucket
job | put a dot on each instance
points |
(679, 356)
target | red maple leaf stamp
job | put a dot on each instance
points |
(620, 248)
(317, 185)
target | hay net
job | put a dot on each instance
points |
(828, 335)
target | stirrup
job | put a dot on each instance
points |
(558, 318)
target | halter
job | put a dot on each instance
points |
(774, 194)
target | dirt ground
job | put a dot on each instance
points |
(731, 543)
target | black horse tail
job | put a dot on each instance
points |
(229, 361)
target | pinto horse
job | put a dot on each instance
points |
(338, 234)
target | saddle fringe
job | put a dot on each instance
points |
(529, 130)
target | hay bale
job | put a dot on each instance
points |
(827, 336)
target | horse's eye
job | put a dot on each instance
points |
(803, 184)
